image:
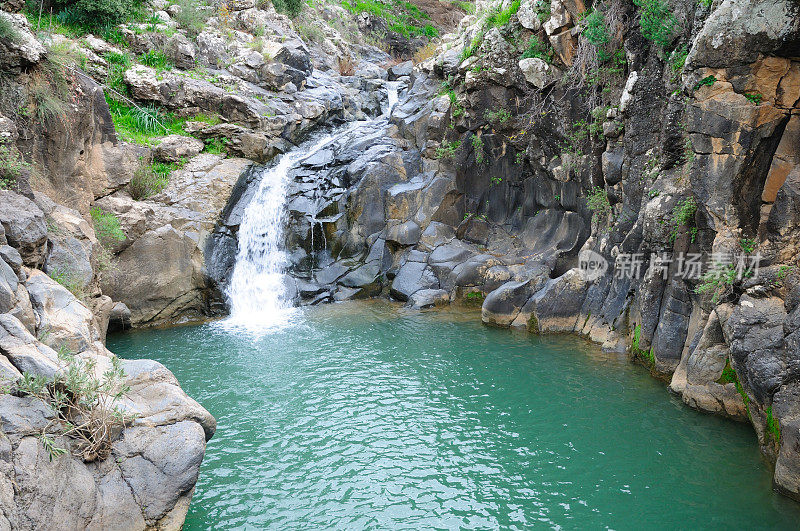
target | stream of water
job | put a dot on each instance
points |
(365, 415)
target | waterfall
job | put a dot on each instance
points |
(257, 292)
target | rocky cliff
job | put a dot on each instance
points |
(623, 171)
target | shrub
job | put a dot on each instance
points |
(11, 166)
(748, 245)
(94, 14)
(657, 23)
(595, 30)
(683, 216)
(106, 227)
(477, 145)
(537, 49)
(217, 146)
(288, 7)
(504, 17)
(155, 59)
(476, 42)
(598, 202)
(719, 282)
(69, 280)
(146, 182)
(448, 149)
(500, 116)
(190, 17)
(85, 406)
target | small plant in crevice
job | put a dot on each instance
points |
(597, 201)
(85, 406)
(217, 146)
(448, 149)
(12, 165)
(474, 297)
(707, 81)
(537, 49)
(773, 428)
(719, 281)
(69, 280)
(683, 217)
(155, 59)
(748, 245)
(645, 356)
(754, 98)
(500, 116)
(477, 146)
(107, 227)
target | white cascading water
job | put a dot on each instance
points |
(257, 292)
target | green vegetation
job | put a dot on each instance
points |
(143, 125)
(476, 42)
(677, 61)
(706, 82)
(537, 49)
(477, 146)
(457, 108)
(500, 18)
(11, 166)
(598, 202)
(748, 245)
(106, 227)
(191, 17)
(149, 179)
(402, 17)
(705, 3)
(728, 374)
(466, 7)
(683, 216)
(448, 149)
(118, 63)
(638, 353)
(773, 428)
(79, 17)
(657, 23)
(754, 98)
(217, 146)
(596, 33)
(7, 30)
(500, 116)
(69, 280)
(474, 297)
(543, 10)
(155, 59)
(85, 407)
(718, 282)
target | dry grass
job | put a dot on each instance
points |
(425, 53)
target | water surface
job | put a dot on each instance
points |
(369, 416)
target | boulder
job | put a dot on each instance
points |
(535, 71)
(25, 227)
(177, 148)
(428, 298)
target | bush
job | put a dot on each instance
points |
(94, 14)
(84, 405)
(11, 166)
(719, 282)
(448, 149)
(69, 280)
(146, 182)
(477, 146)
(106, 227)
(657, 23)
(537, 49)
(683, 216)
(155, 59)
(595, 29)
(191, 18)
(598, 202)
(288, 7)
